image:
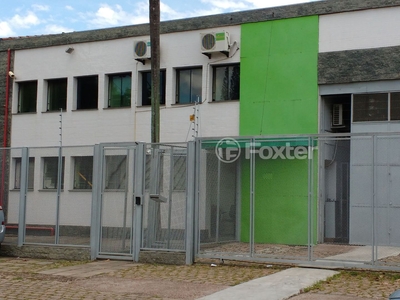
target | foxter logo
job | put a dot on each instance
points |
(228, 150)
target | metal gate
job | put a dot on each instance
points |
(140, 200)
(117, 201)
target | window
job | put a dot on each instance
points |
(50, 172)
(27, 95)
(146, 87)
(115, 172)
(376, 107)
(83, 172)
(119, 90)
(31, 170)
(87, 92)
(395, 106)
(188, 86)
(56, 94)
(226, 82)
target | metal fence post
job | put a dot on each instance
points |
(139, 181)
(190, 201)
(96, 202)
(22, 196)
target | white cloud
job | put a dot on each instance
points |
(69, 7)
(26, 21)
(272, 3)
(108, 15)
(6, 30)
(227, 4)
(51, 29)
(38, 7)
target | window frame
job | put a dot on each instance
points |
(122, 96)
(388, 115)
(57, 105)
(25, 103)
(179, 73)
(230, 75)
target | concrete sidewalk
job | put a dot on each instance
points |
(278, 286)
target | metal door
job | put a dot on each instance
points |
(118, 202)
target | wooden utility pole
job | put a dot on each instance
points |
(154, 6)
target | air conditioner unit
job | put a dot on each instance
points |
(215, 42)
(142, 50)
(337, 115)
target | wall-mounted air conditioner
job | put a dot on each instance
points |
(215, 42)
(142, 50)
(337, 115)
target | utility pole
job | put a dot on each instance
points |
(154, 6)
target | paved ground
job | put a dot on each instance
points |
(46, 279)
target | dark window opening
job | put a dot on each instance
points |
(87, 97)
(146, 87)
(27, 96)
(57, 94)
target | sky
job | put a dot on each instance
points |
(38, 17)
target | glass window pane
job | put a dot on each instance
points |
(184, 86)
(83, 172)
(17, 181)
(395, 106)
(196, 86)
(27, 96)
(57, 94)
(370, 107)
(50, 174)
(119, 91)
(226, 83)
(189, 84)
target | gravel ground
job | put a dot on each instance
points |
(147, 281)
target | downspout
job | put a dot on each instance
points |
(5, 132)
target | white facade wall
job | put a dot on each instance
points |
(373, 28)
(89, 127)
(86, 127)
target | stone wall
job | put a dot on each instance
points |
(46, 252)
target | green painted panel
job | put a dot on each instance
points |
(279, 90)
(279, 95)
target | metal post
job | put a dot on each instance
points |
(139, 181)
(171, 186)
(252, 194)
(22, 196)
(218, 201)
(374, 189)
(196, 205)
(125, 201)
(190, 201)
(95, 223)
(310, 197)
(59, 186)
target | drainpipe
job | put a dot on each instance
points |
(3, 166)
